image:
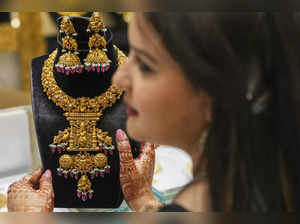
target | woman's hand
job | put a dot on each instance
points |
(136, 174)
(33, 193)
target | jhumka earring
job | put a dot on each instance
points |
(97, 59)
(69, 62)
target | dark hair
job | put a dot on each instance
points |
(249, 64)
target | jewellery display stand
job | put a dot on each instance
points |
(49, 120)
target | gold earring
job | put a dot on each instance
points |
(69, 62)
(97, 59)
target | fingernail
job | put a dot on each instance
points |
(48, 173)
(121, 135)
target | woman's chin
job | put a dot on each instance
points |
(134, 131)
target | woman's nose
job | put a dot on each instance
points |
(121, 77)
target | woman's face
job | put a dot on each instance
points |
(161, 105)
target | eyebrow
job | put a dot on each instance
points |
(145, 54)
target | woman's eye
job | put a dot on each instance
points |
(144, 68)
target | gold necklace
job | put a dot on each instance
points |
(82, 136)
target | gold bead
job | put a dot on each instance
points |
(100, 160)
(66, 161)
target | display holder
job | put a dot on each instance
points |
(49, 119)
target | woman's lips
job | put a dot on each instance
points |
(130, 111)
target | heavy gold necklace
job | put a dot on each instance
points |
(82, 136)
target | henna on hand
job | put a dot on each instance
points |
(136, 174)
(26, 196)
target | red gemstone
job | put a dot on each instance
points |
(76, 176)
(102, 174)
(64, 148)
(92, 176)
(107, 170)
(79, 70)
(62, 69)
(72, 174)
(90, 195)
(98, 68)
(66, 175)
(53, 150)
(79, 193)
(59, 172)
(101, 147)
(84, 197)
(105, 151)
(73, 71)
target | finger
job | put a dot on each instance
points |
(123, 146)
(127, 166)
(147, 148)
(147, 151)
(146, 160)
(46, 182)
(33, 177)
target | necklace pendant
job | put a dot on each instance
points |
(83, 131)
(83, 137)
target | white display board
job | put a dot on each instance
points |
(15, 156)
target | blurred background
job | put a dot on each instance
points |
(26, 35)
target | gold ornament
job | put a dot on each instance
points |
(72, 13)
(75, 105)
(96, 23)
(2, 201)
(96, 41)
(69, 63)
(66, 26)
(84, 183)
(100, 160)
(66, 161)
(70, 43)
(81, 136)
(84, 188)
(121, 56)
(97, 59)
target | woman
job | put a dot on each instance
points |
(231, 76)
